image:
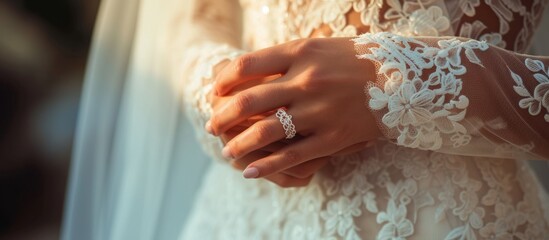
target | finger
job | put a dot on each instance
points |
(241, 163)
(307, 169)
(262, 133)
(253, 66)
(234, 131)
(248, 103)
(287, 181)
(216, 100)
(292, 155)
(281, 179)
(273, 147)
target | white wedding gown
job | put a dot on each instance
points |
(458, 98)
(458, 117)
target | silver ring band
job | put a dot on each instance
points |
(286, 120)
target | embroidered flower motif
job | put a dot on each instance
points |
(348, 31)
(400, 194)
(411, 105)
(303, 223)
(369, 200)
(460, 139)
(540, 99)
(493, 38)
(396, 226)
(423, 22)
(468, 6)
(449, 55)
(469, 201)
(496, 231)
(333, 12)
(472, 30)
(447, 201)
(339, 215)
(420, 110)
(448, 58)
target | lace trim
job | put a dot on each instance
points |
(540, 100)
(421, 111)
(199, 87)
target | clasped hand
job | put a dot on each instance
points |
(319, 82)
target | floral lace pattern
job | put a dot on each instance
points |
(388, 191)
(385, 192)
(540, 100)
(421, 111)
(347, 18)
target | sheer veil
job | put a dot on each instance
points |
(136, 164)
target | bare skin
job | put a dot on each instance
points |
(320, 83)
(296, 176)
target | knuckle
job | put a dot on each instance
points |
(242, 64)
(262, 132)
(242, 103)
(234, 149)
(218, 88)
(291, 156)
(311, 79)
(214, 124)
(306, 47)
(314, 79)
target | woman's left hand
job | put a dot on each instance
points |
(321, 85)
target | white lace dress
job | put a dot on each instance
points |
(458, 114)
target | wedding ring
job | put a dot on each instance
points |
(286, 120)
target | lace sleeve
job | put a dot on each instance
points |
(210, 35)
(458, 96)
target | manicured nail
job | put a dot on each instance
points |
(209, 127)
(226, 152)
(251, 172)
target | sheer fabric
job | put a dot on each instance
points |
(136, 166)
(440, 95)
(450, 166)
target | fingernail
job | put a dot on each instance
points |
(226, 152)
(209, 127)
(250, 172)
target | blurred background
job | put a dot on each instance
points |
(43, 52)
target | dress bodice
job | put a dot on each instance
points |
(508, 24)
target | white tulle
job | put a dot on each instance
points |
(135, 162)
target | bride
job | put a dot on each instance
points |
(397, 119)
